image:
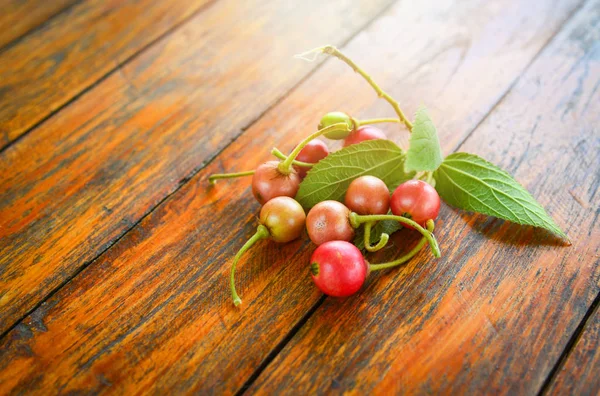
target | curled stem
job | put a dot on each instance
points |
(356, 220)
(261, 233)
(285, 165)
(283, 157)
(333, 51)
(212, 179)
(407, 256)
(383, 239)
(378, 121)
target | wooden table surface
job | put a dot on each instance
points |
(115, 252)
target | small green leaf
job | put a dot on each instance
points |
(472, 183)
(387, 226)
(330, 177)
(424, 153)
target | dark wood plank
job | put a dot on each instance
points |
(496, 312)
(51, 66)
(154, 312)
(17, 17)
(75, 185)
(579, 374)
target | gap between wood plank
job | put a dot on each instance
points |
(194, 171)
(16, 40)
(109, 73)
(588, 314)
(581, 327)
(570, 346)
(275, 351)
(505, 94)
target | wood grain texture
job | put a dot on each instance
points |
(18, 17)
(154, 313)
(51, 66)
(496, 312)
(579, 374)
(76, 184)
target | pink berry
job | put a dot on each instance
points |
(312, 153)
(416, 200)
(366, 132)
(338, 268)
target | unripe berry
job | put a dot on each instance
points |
(336, 117)
(368, 195)
(284, 217)
(268, 182)
(328, 221)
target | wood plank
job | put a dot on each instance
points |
(17, 17)
(75, 185)
(154, 312)
(51, 66)
(496, 312)
(579, 374)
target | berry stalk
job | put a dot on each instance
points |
(377, 121)
(212, 179)
(407, 256)
(283, 157)
(383, 239)
(333, 51)
(285, 167)
(356, 220)
(261, 233)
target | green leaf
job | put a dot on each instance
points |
(330, 177)
(387, 226)
(472, 183)
(424, 153)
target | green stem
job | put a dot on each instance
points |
(429, 178)
(331, 50)
(383, 239)
(214, 177)
(261, 233)
(285, 165)
(407, 256)
(378, 121)
(356, 220)
(283, 157)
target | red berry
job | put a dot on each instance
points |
(328, 221)
(284, 218)
(368, 195)
(416, 200)
(312, 153)
(338, 268)
(366, 132)
(268, 182)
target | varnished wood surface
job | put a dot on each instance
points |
(81, 180)
(579, 374)
(496, 312)
(18, 17)
(51, 66)
(119, 177)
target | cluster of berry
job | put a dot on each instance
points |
(337, 266)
